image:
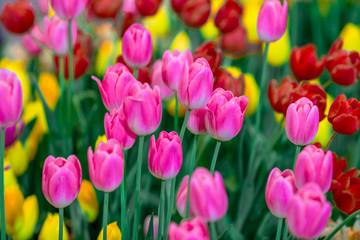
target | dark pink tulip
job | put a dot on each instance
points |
(30, 44)
(308, 212)
(189, 230)
(196, 84)
(280, 188)
(11, 98)
(13, 132)
(225, 114)
(157, 79)
(181, 198)
(116, 127)
(173, 67)
(61, 180)
(314, 165)
(69, 9)
(106, 165)
(196, 122)
(116, 80)
(165, 155)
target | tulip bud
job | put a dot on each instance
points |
(88, 201)
(228, 82)
(196, 122)
(112, 232)
(235, 42)
(211, 53)
(29, 218)
(194, 13)
(155, 225)
(190, 229)
(165, 155)
(302, 121)
(225, 114)
(69, 9)
(272, 20)
(106, 165)
(50, 228)
(30, 45)
(18, 16)
(61, 180)
(308, 212)
(314, 165)
(280, 188)
(12, 133)
(157, 79)
(147, 7)
(105, 8)
(228, 16)
(11, 98)
(181, 198)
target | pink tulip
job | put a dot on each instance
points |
(13, 132)
(165, 155)
(129, 7)
(61, 180)
(155, 225)
(69, 9)
(116, 80)
(208, 197)
(30, 44)
(196, 122)
(142, 108)
(308, 212)
(106, 165)
(157, 80)
(181, 198)
(196, 84)
(314, 165)
(137, 46)
(280, 188)
(302, 121)
(189, 230)
(272, 20)
(43, 6)
(11, 98)
(116, 127)
(225, 114)
(173, 66)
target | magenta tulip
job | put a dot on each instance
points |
(272, 20)
(11, 98)
(69, 9)
(280, 188)
(116, 80)
(181, 198)
(196, 84)
(61, 180)
(30, 44)
(308, 212)
(196, 123)
(142, 108)
(302, 121)
(106, 165)
(137, 46)
(157, 80)
(173, 67)
(12, 133)
(314, 165)
(189, 230)
(225, 114)
(155, 225)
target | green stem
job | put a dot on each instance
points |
(61, 223)
(170, 207)
(349, 218)
(2, 198)
(137, 189)
(296, 154)
(330, 141)
(161, 209)
(327, 84)
(285, 232)
(213, 231)
(176, 120)
(278, 232)
(105, 213)
(192, 163)
(182, 132)
(135, 73)
(214, 159)
(71, 75)
(123, 205)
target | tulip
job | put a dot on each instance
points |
(11, 98)
(308, 212)
(212, 54)
(116, 80)
(137, 46)
(194, 13)
(147, 7)
(88, 201)
(165, 155)
(272, 20)
(49, 86)
(61, 180)
(116, 127)
(30, 45)
(181, 198)
(351, 37)
(225, 114)
(187, 230)
(105, 8)
(305, 64)
(142, 109)
(228, 16)
(314, 165)
(344, 115)
(18, 16)
(157, 80)
(113, 232)
(280, 188)
(18, 158)
(69, 9)
(173, 67)
(155, 225)
(196, 122)
(228, 82)
(208, 197)
(235, 42)
(106, 165)
(302, 121)
(196, 85)
(14, 199)
(43, 6)
(12, 133)
(50, 228)
(181, 42)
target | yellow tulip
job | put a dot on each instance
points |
(100, 139)
(249, 19)
(113, 232)
(107, 54)
(9, 176)
(181, 41)
(171, 108)
(351, 37)
(158, 24)
(209, 31)
(88, 201)
(14, 201)
(50, 228)
(17, 157)
(30, 217)
(279, 51)
(50, 89)
(325, 128)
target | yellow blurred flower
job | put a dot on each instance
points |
(181, 42)
(351, 37)
(215, 6)
(30, 216)
(50, 89)
(9, 176)
(107, 54)
(50, 228)
(88, 201)
(51, 11)
(14, 200)
(209, 31)
(325, 128)
(100, 139)
(158, 24)
(279, 117)
(113, 232)
(17, 157)
(171, 108)
(279, 51)
(249, 19)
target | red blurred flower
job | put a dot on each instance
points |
(305, 64)
(18, 16)
(211, 53)
(344, 115)
(234, 42)
(193, 12)
(343, 66)
(223, 79)
(147, 7)
(228, 16)
(105, 8)
(143, 75)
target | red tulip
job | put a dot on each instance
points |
(211, 53)
(18, 16)
(147, 7)
(105, 8)
(226, 81)
(235, 41)
(228, 16)
(193, 12)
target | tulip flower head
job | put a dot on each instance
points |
(189, 229)
(157, 79)
(196, 122)
(30, 44)
(17, 16)
(12, 133)
(69, 9)
(211, 53)
(181, 198)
